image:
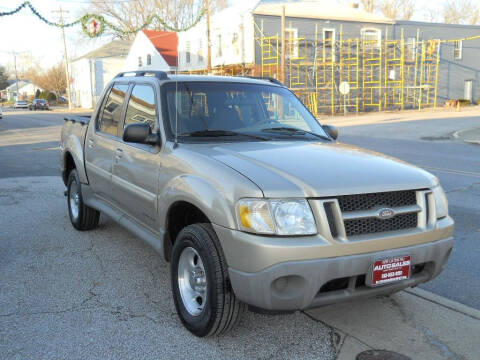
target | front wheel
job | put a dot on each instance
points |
(202, 293)
(82, 216)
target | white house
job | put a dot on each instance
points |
(91, 72)
(26, 90)
(231, 37)
(154, 50)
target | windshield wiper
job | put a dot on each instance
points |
(292, 130)
(219, 133)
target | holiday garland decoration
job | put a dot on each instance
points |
(94, 25)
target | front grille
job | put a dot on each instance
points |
(373, 225)
(391, 199)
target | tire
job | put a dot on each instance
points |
(219, 310)
(82, 217)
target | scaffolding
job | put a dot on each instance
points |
(430, 60)
(394, 74)
(349, 66)
(382, 74)
(270, 55)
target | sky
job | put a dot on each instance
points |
(25, 34)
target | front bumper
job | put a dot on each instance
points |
(297, 282)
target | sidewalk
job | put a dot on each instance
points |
(414, 323)
(399, 116)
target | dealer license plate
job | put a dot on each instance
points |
(388, 270)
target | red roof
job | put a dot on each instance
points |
(166, 43)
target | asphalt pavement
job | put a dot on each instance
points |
(105, 294)
(427, 143)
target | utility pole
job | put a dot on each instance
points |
(16, 74)
(209, 45)
(282, 59)
(69, 95)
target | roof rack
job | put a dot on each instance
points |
(160, 75)
(272, 80)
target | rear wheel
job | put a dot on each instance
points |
(202, 293)
(82, 216)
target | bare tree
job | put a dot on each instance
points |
(432, 15)
(51, 80)
(3, 78)
(129, 15)
(397, 9)
(461, 12)
(368, 5)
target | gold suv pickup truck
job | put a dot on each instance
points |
(249, 197)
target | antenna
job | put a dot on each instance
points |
(175, 144)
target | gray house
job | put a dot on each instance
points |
(339, 58)
(383, 63)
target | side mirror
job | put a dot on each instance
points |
(140, 133)
(331, 130)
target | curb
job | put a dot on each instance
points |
(456, 135)
(442, 301)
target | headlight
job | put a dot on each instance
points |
(281, 217)
(441, 203)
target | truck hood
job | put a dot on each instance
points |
(313, 169)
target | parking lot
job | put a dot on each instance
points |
(105, 294)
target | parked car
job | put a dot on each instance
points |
(1, 113)
(39, 104)
(249, 197)
(20, 104)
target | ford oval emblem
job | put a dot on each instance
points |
(385, 213)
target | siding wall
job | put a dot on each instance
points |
(452, 73)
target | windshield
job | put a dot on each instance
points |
(237, 110)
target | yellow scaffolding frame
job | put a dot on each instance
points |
(349, 62)
(429, 64)
(394, 73)
(371, 73)
(270, 55)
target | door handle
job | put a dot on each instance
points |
(91, 143)
(118, 153)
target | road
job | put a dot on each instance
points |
(29, 147)
(104, 294)
(101, 294)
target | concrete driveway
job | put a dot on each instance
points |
(103, 294)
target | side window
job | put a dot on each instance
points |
(108, 121)
(141, 107)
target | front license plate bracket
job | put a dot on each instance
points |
(388, 270)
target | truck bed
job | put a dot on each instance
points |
(81, 119)
(73, 135)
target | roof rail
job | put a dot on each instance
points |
(272, 80)
(160, 75)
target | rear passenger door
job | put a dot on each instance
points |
(102, 140)
(136, 166)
